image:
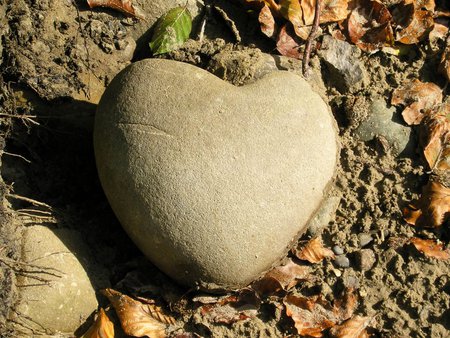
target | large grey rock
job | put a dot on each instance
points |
(212, 182)
(56, 294)
(385, 122)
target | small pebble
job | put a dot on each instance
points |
(342, 261)
(365, 259)
(364, 239)
(337, 272)
(338, 250)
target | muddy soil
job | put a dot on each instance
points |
(56, 59)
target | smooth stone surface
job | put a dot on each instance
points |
(61, 296)
(213, 182)
(385, 122)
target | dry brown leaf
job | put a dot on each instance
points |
(287, 42)
(267, 22)
(435, 137)
(444, 66)
(352, 328)
(335, 10)
(369, 26)
(292, 11)
(281, 278)
(433, 207)
(314, 251)
(311, 316)
(417, 96)
(421, 24)
(102, 328)
(430, 248)
(345, 307)
(124, 6)
(234, 308)
(138, 319)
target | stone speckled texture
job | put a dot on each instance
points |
(213, 182)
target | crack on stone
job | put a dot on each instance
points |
(153, 130)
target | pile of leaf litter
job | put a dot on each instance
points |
(296, 298)
(380, 267)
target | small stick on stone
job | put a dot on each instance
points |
(311, 36)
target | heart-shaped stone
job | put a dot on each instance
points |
(213, 182)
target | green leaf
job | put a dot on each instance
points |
(171, 30)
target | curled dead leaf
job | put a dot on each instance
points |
(444, 66)
(314, 251)
(311, 315)
(435, 137)
(414, 20)
(430, 248)
(267, 22)
(288, 44)
(417, 96)
(433, 207)
(124, 6)
(281, 278)
(102, 327)
(352, 328)
(232, 308)
(138, 319)
(369, 26)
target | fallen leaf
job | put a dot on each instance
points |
(314, 251)
(352, 328)
(232, 309)
(435, 137)
(267, 22)
(345, 306)
(102, 327)
(311, 315)
(335, 10)
(171, 30)
(417, 96)
(369, 26)
(420, 25)
(281, 278)
(138, 319)
(287, 43)
(125, 6)
(444, 65)
(433, 207)
(430, 248)
(292, 11)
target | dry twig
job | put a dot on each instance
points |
(311, 36)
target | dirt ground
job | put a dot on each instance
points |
(53, 67)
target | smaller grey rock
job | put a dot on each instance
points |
(324, 215)
(364, 239)
(385, 122)
(342, 261)
(58, 295)
(365, 259)
(346, 70)
(338, 250)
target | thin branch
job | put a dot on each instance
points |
(29, 200)
(311, 37)
(15, 155)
